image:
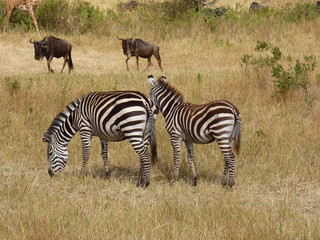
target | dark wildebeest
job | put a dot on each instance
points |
(318, 5)
(129, 6)
(139, 48)
(256, 6)
(51, 47)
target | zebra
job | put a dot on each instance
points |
(111, 116)
(200, 124)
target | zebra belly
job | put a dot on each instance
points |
(114, 134)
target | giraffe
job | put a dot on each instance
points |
(24, 5)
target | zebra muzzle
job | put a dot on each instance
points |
(50, 172)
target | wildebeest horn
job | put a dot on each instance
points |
(120, 38)
(31, 41)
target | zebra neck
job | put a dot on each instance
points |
(167, 107)
(64, 135)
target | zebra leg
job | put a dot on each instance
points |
(85, 139)
(175, 142)
(144, 173)
(104, 155)
(229, 159)
(189, 147)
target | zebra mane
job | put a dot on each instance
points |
(62, 116)
(168, 88)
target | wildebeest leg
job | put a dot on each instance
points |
(64, 64)
(127, 63)
(50, 70)
(157, 56)
(137, 60)
(149, 63)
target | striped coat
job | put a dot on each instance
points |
(218, 121)
(111, 116)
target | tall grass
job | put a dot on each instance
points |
(277, 192)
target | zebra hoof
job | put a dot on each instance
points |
(224, 182)
(194, 183)
(143, 184)
(107, 175)
(173, 181)
(231, 183)
(84, 172)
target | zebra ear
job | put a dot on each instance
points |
(151, 80)
(163, 78)
(46, 137)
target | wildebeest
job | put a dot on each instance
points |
(256, 6)
(51, 47)
(140, 48)
(129, 6)
(318, 5)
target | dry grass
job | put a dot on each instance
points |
(277, 192)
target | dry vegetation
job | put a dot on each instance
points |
(277, 192)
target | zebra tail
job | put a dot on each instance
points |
(153, 140)
(235, 137)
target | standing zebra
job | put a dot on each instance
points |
(215, 121)
(112, 116)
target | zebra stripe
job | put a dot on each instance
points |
(111, 116)
(215, 121)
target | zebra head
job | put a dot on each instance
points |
(57, 154)
(153, 85)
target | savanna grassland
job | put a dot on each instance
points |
(277, 191)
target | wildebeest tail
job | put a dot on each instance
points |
(235, 137)
(70, 63)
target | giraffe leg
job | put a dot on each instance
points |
(35, 22)
(10, 10)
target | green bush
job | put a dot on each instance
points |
(286, 80)
(80, 17)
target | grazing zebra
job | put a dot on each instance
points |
(215, 121)
(111, 116)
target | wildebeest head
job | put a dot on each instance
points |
(40, 49)
(127, 44)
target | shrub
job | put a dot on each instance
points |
(80, 16)
(286, 80)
